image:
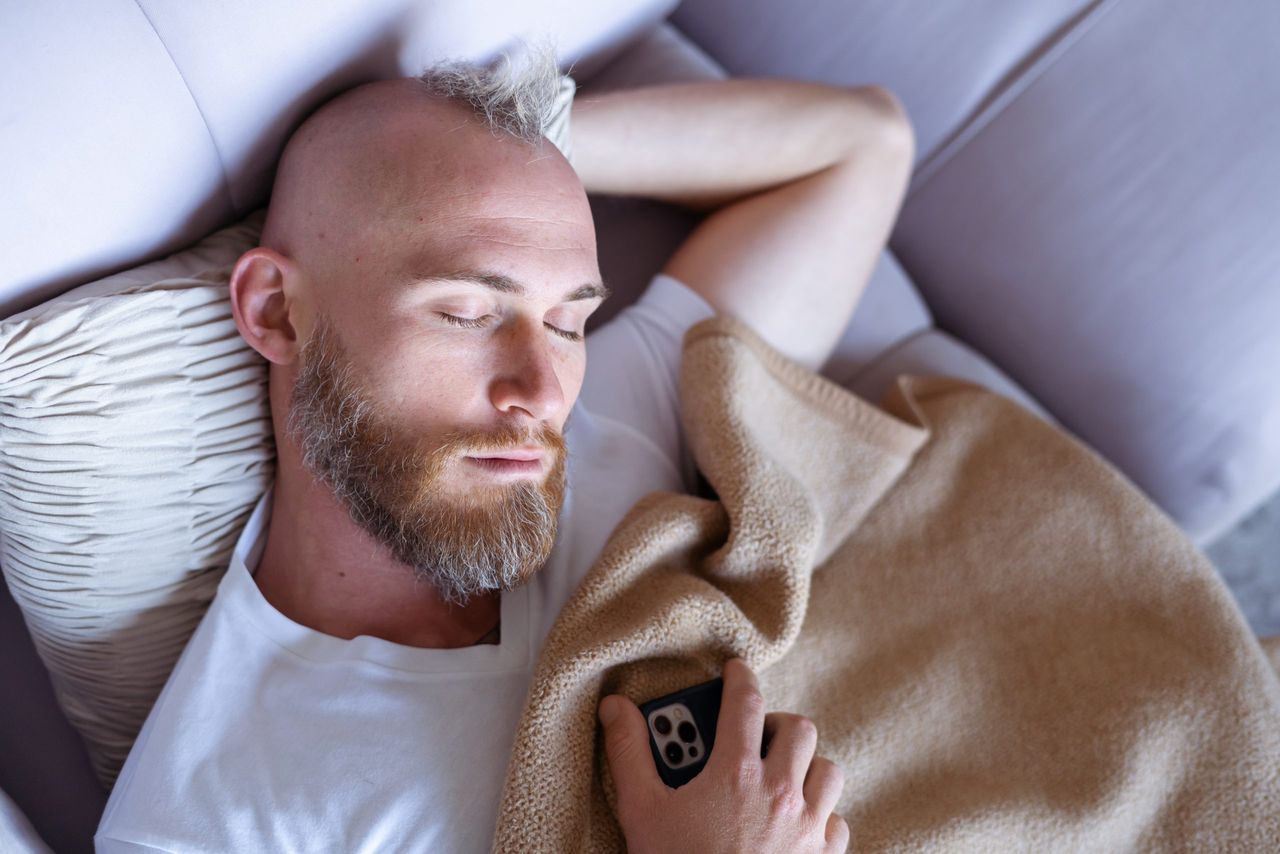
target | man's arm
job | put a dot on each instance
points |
(803, 182)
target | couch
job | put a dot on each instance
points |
(1090, 229)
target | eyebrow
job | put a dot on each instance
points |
(507, 285)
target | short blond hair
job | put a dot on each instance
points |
(520, 101)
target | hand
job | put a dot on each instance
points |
(739, 801)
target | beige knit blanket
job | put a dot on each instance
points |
(1002, 641)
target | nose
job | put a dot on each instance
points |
(526, 378)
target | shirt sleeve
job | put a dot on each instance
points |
(633, 368)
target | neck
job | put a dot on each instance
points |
(320, 569)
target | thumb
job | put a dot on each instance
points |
(626, 746)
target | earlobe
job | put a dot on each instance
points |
(262, 284)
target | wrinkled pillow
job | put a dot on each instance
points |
(135, 440)
(135, 437)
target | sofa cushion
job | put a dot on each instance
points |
(1107, 235)
(1094, 209)
(139, 128)
(17, 836)
(943, 60)
(933, 352)
(889, 312)
(150, 178)
(251, 65)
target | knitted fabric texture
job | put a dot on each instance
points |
(1004, 644)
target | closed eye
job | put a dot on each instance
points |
(478, 322)
(564, 333)
(463, 321)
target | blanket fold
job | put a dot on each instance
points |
(1004, 644)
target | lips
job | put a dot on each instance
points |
(501, 466)
(522, 455)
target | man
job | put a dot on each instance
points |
(446, 468)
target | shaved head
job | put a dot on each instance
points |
(384, 149)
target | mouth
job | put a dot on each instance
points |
(522, 454)
(509, 462)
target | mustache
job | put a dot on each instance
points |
(510, 438)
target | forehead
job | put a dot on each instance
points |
(516, 242)
(446, 162)
(454, 198)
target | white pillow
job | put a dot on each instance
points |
(135, 440)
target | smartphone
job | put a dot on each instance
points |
(682, 730)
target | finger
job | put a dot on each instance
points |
(837, 834)
(823, 785)
(791, 748)
(626, 748)
(740, 723)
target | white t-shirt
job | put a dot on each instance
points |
(271, 736)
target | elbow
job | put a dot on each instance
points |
(883, 122)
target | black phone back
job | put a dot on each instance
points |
(682, 730)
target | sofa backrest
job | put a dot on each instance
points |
(133, 129)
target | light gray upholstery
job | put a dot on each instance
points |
(944, 60)
(1096, 208)
(1111, 237)
(934, 352)
(17, 836)
(136, 128)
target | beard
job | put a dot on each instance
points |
(392, 482)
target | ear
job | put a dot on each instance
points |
(265, 290)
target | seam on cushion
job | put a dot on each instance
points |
(222, 165)
(886, 354)
(1015, 89)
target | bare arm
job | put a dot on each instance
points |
(802, 180)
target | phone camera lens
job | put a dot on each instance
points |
(693, 752)
(675, 753)
(687, 732)
(662, 724)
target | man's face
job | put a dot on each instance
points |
(410, 374)
(456, 523)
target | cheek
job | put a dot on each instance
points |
(572, 372)
(426, 381)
